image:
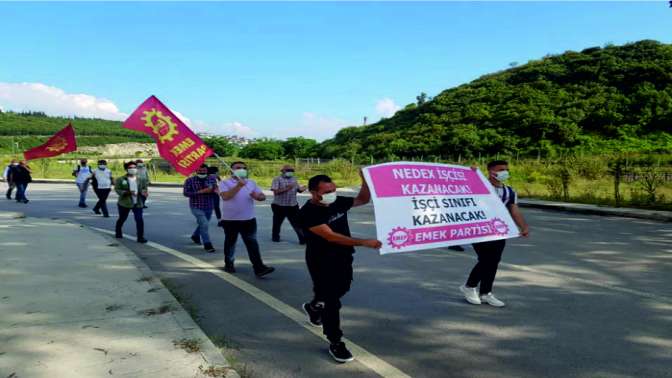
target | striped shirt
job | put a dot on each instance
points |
(287, 198)
(203, 201)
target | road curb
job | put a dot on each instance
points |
(662, 216)
(63, 181)
(209, 351)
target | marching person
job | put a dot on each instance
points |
(200, 188)
(214, 173)
(285, 187)
(129, 188)
(329, 250)
(6, 174)
(21, 177)
(82, 175)
(490, 252)
(101, 181)
(143, 174)
(238, 195)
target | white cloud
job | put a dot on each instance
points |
(386, 107)
(56, 102)
(182, 117)
(230, 128)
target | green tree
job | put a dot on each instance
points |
(300, 147)
(263, 149)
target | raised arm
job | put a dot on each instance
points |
(326, 233)
(519, 219)
(227, 195)
(364, 195)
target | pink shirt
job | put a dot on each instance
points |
(241, 206)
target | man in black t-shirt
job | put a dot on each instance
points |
(329, 250)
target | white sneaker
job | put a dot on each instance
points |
(470, 294)
(491, 300)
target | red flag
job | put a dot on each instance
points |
(176, 142)
(62, 142)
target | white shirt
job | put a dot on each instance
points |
(83, 174)
(133, 187)
(104, 178)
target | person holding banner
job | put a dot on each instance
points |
(329, 250)
(199, 189)
(490, 252)
(129, 188)
(238, 195)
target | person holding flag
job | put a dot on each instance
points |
(129, 188)
(238, 196)
(21, 177)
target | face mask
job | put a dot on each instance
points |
(289, 174)
(328, 198)
(502, 176)
(102, 167)
(202, 176)
(132, 171)
(15, 164)
(140, 165)
(241, 173)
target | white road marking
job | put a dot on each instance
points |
(367, 359)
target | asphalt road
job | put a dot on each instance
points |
(587, 296)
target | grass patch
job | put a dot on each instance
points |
(189, 345)
(157, 311)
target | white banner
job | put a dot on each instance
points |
(427, 205)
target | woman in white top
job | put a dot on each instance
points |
(101, 180)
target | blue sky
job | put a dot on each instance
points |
(285, 69)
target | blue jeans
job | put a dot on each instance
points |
(21, 192)
(83, 188)
(203, 220)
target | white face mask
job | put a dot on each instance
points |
(289, 174)
(202, 176)
(241, 173)
(502, 176)
(132, 171)
(328, 198)
(102, 167)
(15, 164)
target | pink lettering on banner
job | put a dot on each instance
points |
(407, 180)
(401, 237)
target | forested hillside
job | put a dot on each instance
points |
(616, 98)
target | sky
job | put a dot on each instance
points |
(285, 69)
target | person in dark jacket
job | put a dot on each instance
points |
(130, 188)
(21, 177)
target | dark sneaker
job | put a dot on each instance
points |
(457, 248)
(276, 240)
(119, 236)
(229, 269)
(196, 239)
(82, 205)
(208, 247)
(340, 353)
(264, 271)
(142, 240)
(106, 215)
(314, 314)
(97, 212)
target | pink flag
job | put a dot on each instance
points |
(176, 142)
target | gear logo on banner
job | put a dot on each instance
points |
(58, 144)
(499, 227)
(399, 237)
(162, 125)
